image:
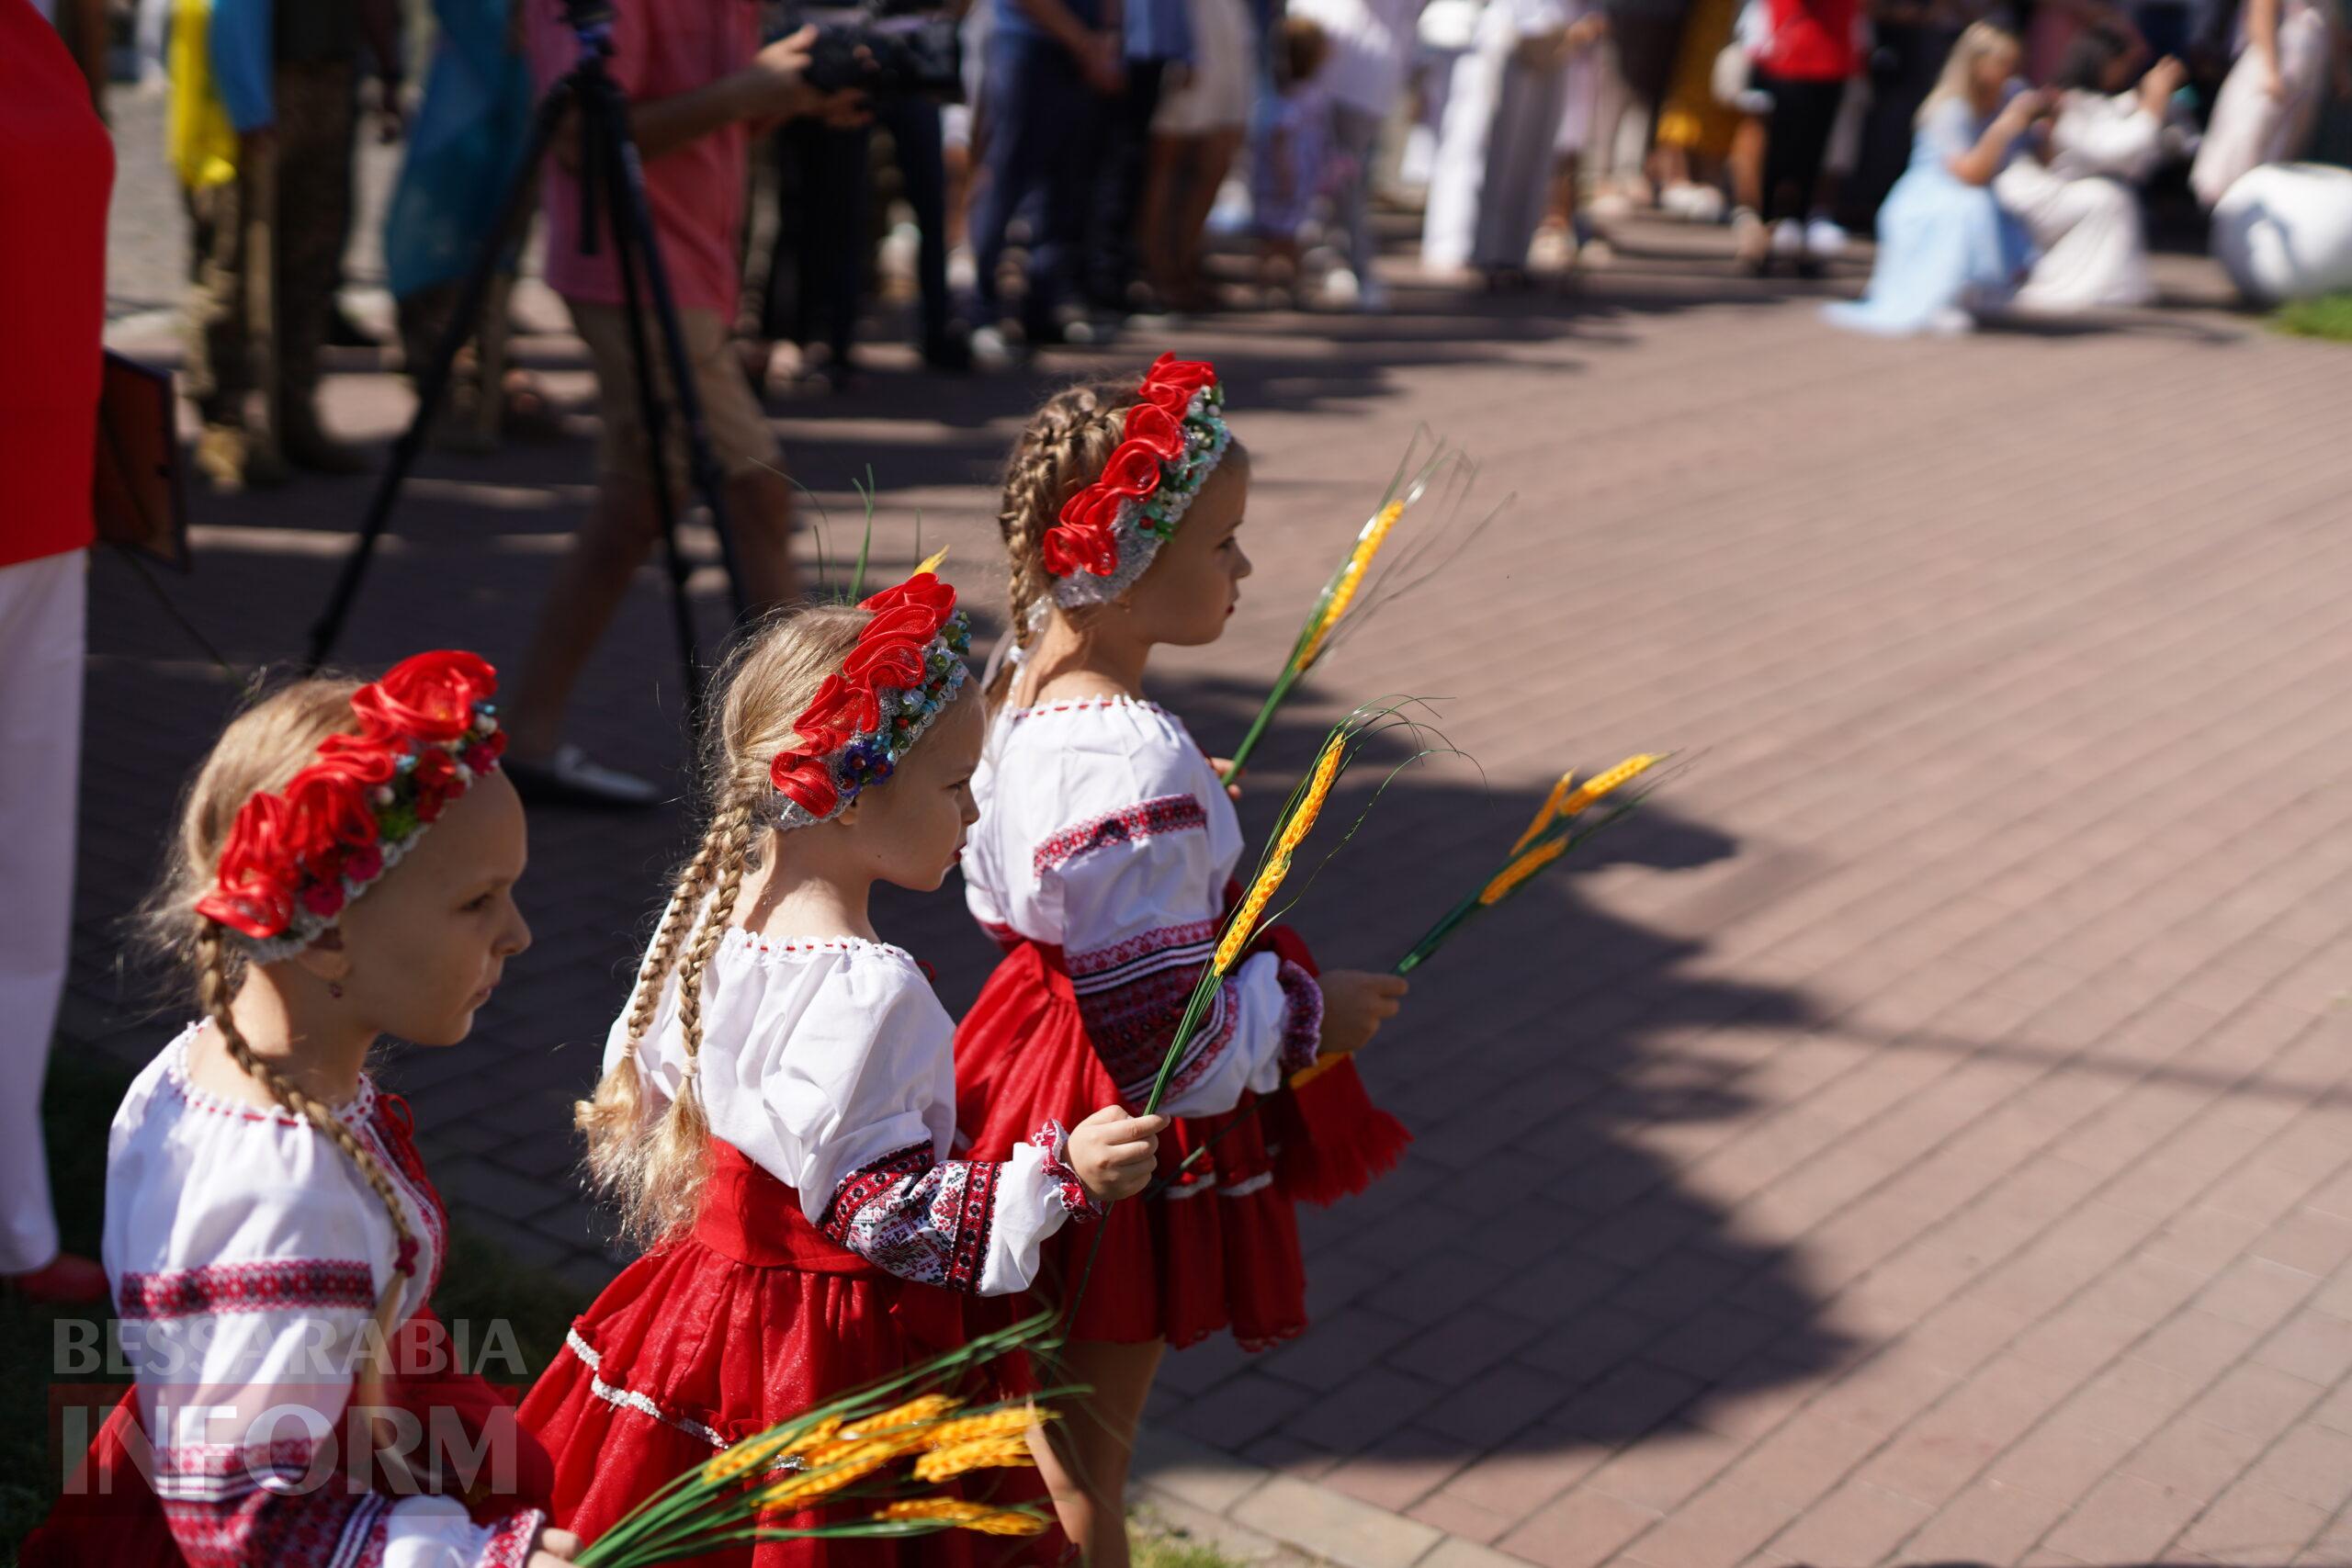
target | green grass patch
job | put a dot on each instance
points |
(478, 1285)
(1152, 1546)
(2329, 318)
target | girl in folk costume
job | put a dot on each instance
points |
(1103, 863)
(346, 868)
(778, 1100)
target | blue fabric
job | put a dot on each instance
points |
(465, 148)
(1043, 133)
(244, 62)
(1943, 244)
(1160, 29)
(1013, 19)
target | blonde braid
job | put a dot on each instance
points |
(213, 994)
(1064, 449)
(663, 1190)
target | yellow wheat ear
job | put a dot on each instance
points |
(1600, 784)
(1244, 923)
(1507, 881)
(1547, 811)
(1368, 543)
(931, 564)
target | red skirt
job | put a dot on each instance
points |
(1217, 1251)
(111, 1516)
(753, 1319)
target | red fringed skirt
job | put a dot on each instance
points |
(1217, 1251)
(753, 1319)
(110, 1515)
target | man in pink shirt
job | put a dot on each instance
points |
(699, 84)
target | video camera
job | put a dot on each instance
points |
(900, 47)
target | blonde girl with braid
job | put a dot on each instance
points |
(776, 1110)
(1104, 865)
(344, 869)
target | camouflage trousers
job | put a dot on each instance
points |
(316, 121)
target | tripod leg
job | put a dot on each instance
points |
(633, 229)
(611, 130)
(433, 385)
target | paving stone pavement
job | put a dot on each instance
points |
(1921, 1137)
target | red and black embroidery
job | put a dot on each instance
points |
(919, 1218)
(1162, 814)
(275, 1285)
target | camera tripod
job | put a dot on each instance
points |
(612, 175)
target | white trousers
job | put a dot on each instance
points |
(43, 610)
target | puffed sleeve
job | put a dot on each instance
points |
(243, 1301)
(2115, 137)
(1137, 896)
(860, 1091)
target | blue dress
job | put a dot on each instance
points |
(1944, 246)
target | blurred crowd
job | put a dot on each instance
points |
(992, 176)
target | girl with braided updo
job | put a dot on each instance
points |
(344, 869)
(777, 1102)
(1104, 865)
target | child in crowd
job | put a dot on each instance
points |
(1102, 864)
(344, 869)
(777, 1101)
(1293, 155)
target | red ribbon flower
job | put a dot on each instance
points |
(326, 815)
(1170, 383)
(435, 781)
(806, 782)
(1080, 546)
(1085, 536)
(254, 890)
(1155, 430)
(428, 697)
(892, 649)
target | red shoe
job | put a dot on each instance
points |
(68, 1280)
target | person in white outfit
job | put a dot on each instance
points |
(1495, 150)
(2271, 100)
(2081, 203)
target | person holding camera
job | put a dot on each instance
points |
(699, 85)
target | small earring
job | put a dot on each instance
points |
(335, 989)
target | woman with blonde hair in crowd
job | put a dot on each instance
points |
(1948, 250)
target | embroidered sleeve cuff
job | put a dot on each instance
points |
(509, 1545)
(1076, 1201)
(1302, 1019)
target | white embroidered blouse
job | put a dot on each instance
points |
(1104, 832)
(245, 1251)
(831, 1067)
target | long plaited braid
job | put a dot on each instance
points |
(674, 1162)
(1062, 450)
(213, 993)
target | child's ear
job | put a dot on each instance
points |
(325, 959)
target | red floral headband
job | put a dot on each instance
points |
(297, 856)
(1110, 531)
(906, 668)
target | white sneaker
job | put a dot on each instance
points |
(1788, 237)
(989, 351)
(1823, 240)
(1343, 291)
(963, 272)
(1705, 204)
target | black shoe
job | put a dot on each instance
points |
(568, 778)
(344, 332)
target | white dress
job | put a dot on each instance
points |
(2249, 127)
(1104, 833)
(245, 1252)
(1496, 148)
(2082, 208)
(831, 1066)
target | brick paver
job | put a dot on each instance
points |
(1924, 1136)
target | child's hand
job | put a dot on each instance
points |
(1115, 1154)
(553, 1546)
(1355, 1005)
(1223, 766)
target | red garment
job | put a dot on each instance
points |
(1811, 40)
(1217, 1251)
(56, 172)
(753, 1318)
